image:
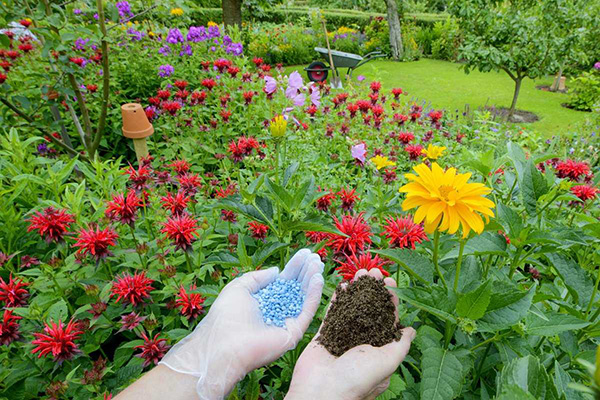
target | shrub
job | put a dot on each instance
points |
(446, 40)
(586, 91)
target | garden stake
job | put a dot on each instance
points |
(136, 127)
(336, 82)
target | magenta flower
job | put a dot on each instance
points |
(597, 66)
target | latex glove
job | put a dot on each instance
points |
(232, 339)
(362, 372)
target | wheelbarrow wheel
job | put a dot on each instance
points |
(317, 72)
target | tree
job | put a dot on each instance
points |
(232, 12)
(395, 30)
(518, 37)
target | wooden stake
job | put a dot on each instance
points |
(141, 148)
(333, 70)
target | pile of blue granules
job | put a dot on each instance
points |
(280, 300)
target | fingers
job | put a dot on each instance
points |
(392, 354)
(312, 266)
(311, 303)
(256, 280)
(294, 266)
(390, 282)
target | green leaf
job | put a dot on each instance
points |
(528, 374)
(474, 304)
(416, 265)
(486, 243)
(576, 279)
(510, 220)
(442, 377)
(506, 309)
(397, 386)
(58, 311)
(514, 392)
(267, 251)
(434, 300)
(284, 198)
(289, 172)
(310, 224)
(554, 324)
(562, 380)
(533, 185)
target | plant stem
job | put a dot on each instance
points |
(135, 241)
(188, 262)
(459, 263)
(589, 307)
(436, 245)
(478, 373)
(514, 264)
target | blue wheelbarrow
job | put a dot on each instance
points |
(317, 71)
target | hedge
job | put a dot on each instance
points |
(335, 18)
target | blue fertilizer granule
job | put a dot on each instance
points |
(280, 300)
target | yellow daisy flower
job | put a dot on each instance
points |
(382, 162)
(433, 152)
(177, 11)
(211, 23)
(445, 200)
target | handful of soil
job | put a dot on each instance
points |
(362, 313)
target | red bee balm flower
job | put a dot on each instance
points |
(181, 230)
(324, 202)
(258, 231)
(190, 304)
(348, 199)
(51, 224)
(130, 321)
(414, 151)
(13, 292)
(572, 170)
(375, 86)
(9, 328)
(132, 289)
(96, 242)
(364, 261)
(209, 83)
(180, 166)
(124, 208)
(403, 232)
(176, 204)
(584, 192)
(359, 234)
(406, 137)
(57, 339)
(152, 350)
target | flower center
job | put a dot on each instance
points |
(445, 190)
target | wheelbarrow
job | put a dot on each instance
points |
(317, 71)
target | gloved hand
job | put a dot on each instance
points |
(362, 372)
(232, 339)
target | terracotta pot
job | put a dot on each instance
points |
(135, 122)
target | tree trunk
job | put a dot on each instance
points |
(395, 30)
(232, 12)
(513, 106)
(556, 83)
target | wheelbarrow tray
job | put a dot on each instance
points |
(340, 59)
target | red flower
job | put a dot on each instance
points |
(13, 54)
(258, 231)
(208, 83)
(248, 97)
(163, 94)
(124, 208)
(130, 321)
(435, 116)
(375, 86)
(3, 78)
(180, 84)
(363, 105)
(152, 349)
(403, 232)
(198, 97)
(352, 109)
(51, 224)
(225, 99)
(324, 202)
(13, 293)
(175, 204)
(9, 328)
(397, 92)
(406, 137)
(96, 242)
(225, 114)
(348, 199)
(92, 88)
(139, 178)
(584, 192)
(572, 170)
(133, 289)
(25, 22)
(228, 216)
(182, 94)
(97, 309)
(357, 231)
(377, 110)
(414, 151)
(222, 64)
(180, 166)
(190, 183)
(181, 229)
(233, 71)
(77, 60)
(171, 107)
(353, 264)
(316, 237)
(312, 110)
(26, 47)
(257, 61)
(190, 304)
(400, 118)
(57, 339)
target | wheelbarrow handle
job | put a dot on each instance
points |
(373, 53)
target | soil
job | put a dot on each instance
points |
(362, 313)
(546, 88)
(518, 117)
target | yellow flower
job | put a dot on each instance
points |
(129, 24)
(433, 152)
(211, 23)
(151, 34)
(445, 200)
(278, 126)
(382, 162)
(177, 11)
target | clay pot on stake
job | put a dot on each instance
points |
(136, 127)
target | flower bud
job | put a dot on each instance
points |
(278, 126)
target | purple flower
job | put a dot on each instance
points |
(315, 97)
(186, 50)
(175, 36)
(135, 35)
(165, 70)
(96, 17)
(80, 43)
(597, 65)
(235, 49)
(42, 148)
(294, 84)
(196, 34)
(358, 152)
(270, 84)
(165, 50)
(360, 78)
(213, 31)
(124, 9)
(299, 99)
(77, 11)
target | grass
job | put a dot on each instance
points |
(445, 85)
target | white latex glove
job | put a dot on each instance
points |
(232, 339)
(362, 372)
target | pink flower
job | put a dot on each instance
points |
(358, 152)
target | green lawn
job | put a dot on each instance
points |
(446, 86)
